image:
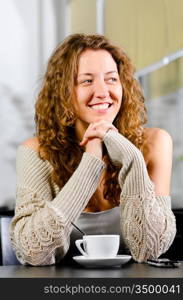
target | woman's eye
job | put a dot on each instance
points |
(112, 79)
(87, 81)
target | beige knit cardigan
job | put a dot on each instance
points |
(40, 230)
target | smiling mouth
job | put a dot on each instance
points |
(100, 106)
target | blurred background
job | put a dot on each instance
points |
(149, 31)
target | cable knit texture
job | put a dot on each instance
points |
(40, 230)
(41, 227)
(147, 222)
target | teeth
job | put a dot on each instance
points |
(100, 106)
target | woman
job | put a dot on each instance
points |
(92, 163)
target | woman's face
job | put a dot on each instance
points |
(98, 90)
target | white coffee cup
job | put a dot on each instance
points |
(99, 246)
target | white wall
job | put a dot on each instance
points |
(28, 35)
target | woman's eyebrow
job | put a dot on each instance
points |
(111, 72)
(90, 74)
(85, 74)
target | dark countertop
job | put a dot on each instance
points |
(129, 270)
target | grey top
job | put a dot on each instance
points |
(104, 222)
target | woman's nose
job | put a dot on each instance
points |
(101, 89)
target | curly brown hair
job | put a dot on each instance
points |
(55, 117)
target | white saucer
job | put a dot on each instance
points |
(102, 262)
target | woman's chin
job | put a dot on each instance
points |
(101, 118)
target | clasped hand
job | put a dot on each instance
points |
(93, 137)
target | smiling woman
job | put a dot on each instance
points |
(92, 162)
(98, 89)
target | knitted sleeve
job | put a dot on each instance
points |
(41, 227)
(147, 222)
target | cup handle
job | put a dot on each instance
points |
(78, 245)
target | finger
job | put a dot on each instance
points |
(86, 138)
(113, 128)
(83, 142)
(90, 134)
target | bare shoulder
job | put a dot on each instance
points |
(155, 135)
(156, 141)
(157, 153)
(32, 143)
